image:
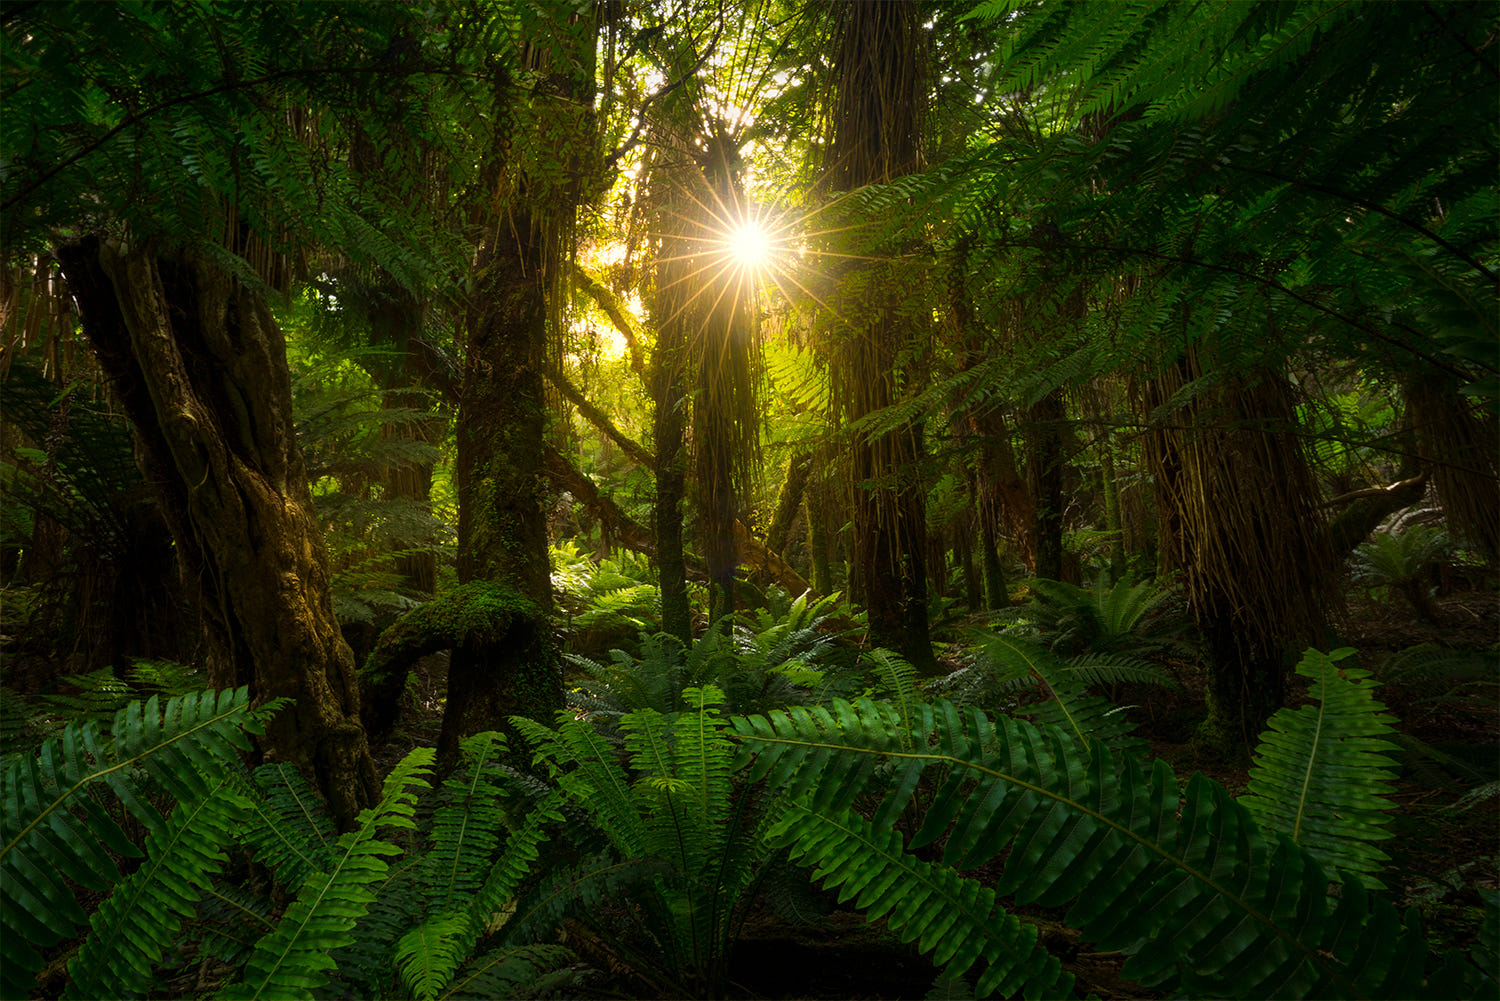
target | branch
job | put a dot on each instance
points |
(617, 311)
(634, 139)
(1398, 486)
(596, 417)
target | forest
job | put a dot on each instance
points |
(848, 499)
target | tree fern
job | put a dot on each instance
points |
(56, 828)
(1182, 882)
(1321, 773)
(292, 961)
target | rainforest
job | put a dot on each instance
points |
(755, 499)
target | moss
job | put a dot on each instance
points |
(477, 615)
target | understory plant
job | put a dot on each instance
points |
(685, 845)
(654, 847)
(399, 906)
(1181, 879)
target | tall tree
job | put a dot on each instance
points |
(543, 155)
(875, 138)
(177, 179)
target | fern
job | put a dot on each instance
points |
(1321, 774)
(1183, 883)
(294, 835)
(292, 961)
(525, 971)
(677, 825)
(140, 921)
(56, 829)
(1068, 705)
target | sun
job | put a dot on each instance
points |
(750, 245)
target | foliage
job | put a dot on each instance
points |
(765, 660)
(1322, 774)
(1128, 617)
(682, 835)
(606, 599)
(1179, 879)
(1398, 559)
(352, 914)
(58, 832)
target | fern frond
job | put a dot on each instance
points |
(466, 828)
(291, 962)
(1321, 773)
(1183, 883)
(896, 681)
(597, 780)
(955, 919)
(293, 833)
(427, 955)
(1070, 706)
(141, 919)
(56, 829)
(528, 971)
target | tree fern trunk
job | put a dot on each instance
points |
(670, 420)
(200, 368)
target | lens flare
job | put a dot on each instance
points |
(750, 246)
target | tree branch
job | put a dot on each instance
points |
(596, 417)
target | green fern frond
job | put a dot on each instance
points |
(293, 833)
(527, 971)
(1183, 883)
(1428, 664)
(136, 925)
(466, 828)
(1071, 707)
(954, 919)
(896, 680)
(427, 955)
(56, 829)
(292, 961)
(1321, 773)
(597, 778)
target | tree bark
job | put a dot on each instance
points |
(200, 368)
(502, 522)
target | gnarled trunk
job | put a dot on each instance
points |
(200, 367)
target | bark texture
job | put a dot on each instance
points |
(200, 368)
(502, 523)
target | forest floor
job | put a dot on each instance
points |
(1442, 852)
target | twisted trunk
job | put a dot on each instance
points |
(200, 368)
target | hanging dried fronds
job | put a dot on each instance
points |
(1239, 518)
(1454, 441)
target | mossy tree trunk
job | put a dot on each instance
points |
(200, 368)
(1239, 518)
(670, 424)
(502, 523)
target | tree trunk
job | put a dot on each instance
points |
(670, 421)
(876, 137)
(789, 502)
(502, 522)
(1239, 518)
(200, 368)
(1044, 473)
(819, 541)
